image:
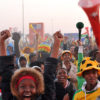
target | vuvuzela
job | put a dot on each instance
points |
(92, 9)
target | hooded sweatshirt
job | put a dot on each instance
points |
(11, 46)
(82, 94)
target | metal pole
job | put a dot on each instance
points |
(23, 16)
(52, 26)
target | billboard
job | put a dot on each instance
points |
(35, 29)
(74, 37)
(71, 36)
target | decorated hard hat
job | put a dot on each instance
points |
(88, 64)
(64, 52)
(29, 49)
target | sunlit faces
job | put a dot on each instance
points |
(23, 63)
(27, 50)
(68, 65)
(98, 56)
(91, 76)
(42, 68)
(62, 75)
(26, 89)
(67, 56)
(72, 49)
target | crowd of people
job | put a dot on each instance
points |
(70, 74)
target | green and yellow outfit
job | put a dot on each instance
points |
(80, 80)
(82, 94)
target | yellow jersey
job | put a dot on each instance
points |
(81, 95)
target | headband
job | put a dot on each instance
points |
(25, 77)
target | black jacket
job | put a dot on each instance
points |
(6, 66)
(61, 91)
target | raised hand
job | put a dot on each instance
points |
(4, 35)
(58, 37)
(79, 43)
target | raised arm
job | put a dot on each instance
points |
(80, 57)
(57, 40)
(50, 69)
(3, 36)
(6, 64)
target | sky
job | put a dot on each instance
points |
(55, 14)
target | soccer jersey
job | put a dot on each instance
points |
(82, 94)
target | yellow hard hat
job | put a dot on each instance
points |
(88, 64)
(30, 49)
(66, 51)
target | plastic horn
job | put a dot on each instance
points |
(92, 10)
(79, 26)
